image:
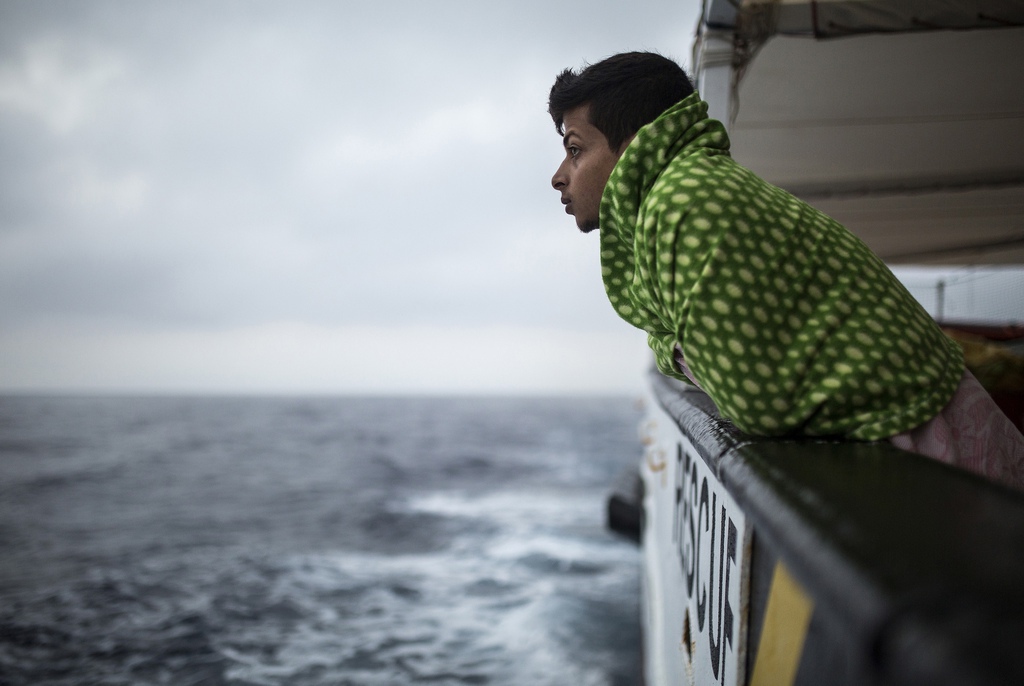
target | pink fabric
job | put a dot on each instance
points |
(971, 432)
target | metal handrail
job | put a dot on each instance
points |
(915, 568)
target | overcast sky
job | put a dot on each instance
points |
(303, 197)
(309, 197)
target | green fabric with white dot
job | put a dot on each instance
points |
(784, 318)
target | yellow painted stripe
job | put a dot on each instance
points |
(785, 627)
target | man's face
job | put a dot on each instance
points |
(585, 170)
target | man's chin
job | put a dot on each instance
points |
(587, 226)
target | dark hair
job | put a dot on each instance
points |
(625, 92)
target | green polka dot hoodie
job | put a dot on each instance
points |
(782, 316)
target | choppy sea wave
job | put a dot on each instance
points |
(316, 541)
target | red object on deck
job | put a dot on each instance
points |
(1001, 332)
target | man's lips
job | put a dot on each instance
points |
(568, 205)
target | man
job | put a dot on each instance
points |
(781, 315)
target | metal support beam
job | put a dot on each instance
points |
(714, 73)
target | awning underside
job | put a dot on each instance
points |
(915, 141)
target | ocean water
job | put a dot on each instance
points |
(315, 541)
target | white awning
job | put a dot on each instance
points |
(903, 120)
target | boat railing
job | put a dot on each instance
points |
(813, 562)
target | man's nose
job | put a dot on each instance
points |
(559, 180)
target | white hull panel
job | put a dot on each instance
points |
(696, 547)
